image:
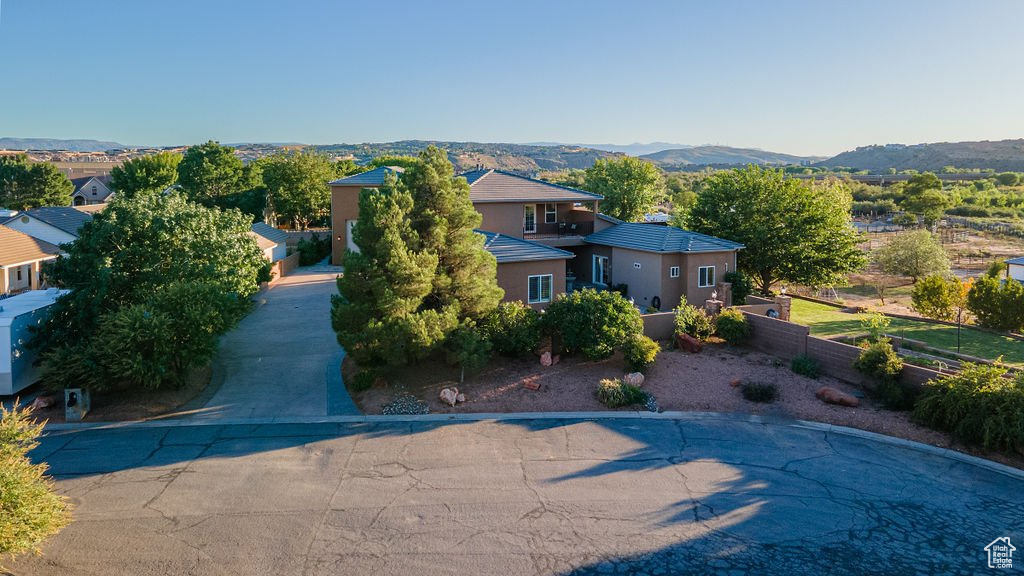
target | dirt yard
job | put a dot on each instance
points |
(130, 405)
(678, 380)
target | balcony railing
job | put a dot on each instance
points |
(559, 230)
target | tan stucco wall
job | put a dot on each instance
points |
(723, 263)
(513, 277)
(644, 283)
(344, 207)
(504, 218)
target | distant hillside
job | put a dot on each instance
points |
(57, 144)
(1000, 155)
(522, 158)
(722, 155)
(635, 149)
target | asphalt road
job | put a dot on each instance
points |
(549, 496)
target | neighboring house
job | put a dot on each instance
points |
(54, 224)
(658, 264)
(91, 190)
(18, 315)
(554, 226)
(528, 270)
(1015, 269)
(21, 258)
(273, 242)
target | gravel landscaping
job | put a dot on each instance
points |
(678, 381)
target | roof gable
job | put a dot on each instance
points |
(660, 239)
(84, 181)
(511, 249)
(500, 186)
(63, 218)
(18, 248)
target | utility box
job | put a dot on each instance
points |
(76, 404)
(18, 314)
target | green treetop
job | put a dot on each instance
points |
(631, 187)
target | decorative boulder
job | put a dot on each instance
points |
(735, 382)
(833, 396)
(555, 359)
(545, 359)
(633, 379)
(450, 396)
(461, 397)
(531, 385)
(43, 401)
(688, 343)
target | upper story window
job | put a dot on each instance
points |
(550, 213)
(529, 219)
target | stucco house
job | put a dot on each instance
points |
(21, 258)
(550, 239)
(658, 264)
(272, 241)
(1015, 269)
(91, 190)
(53, 224)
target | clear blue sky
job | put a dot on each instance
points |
(814, 77)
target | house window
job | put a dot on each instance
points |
(540, 289)
(529, 219)
(93, 190)
(705, 276)
(550, 213)
(673, 272)
(19, 274)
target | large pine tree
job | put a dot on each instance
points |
(421, 271)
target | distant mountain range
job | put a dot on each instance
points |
(723, 156)
(1003, 155)
(1000, 155)
(58, 144)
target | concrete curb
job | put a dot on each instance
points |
(577, 416)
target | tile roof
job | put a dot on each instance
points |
(275, 235)
(511, 249)
(607, 218)
(1019, 260)
(372, 178)
(63, 218)
(499, 186)
(660, 239)
(18, 248)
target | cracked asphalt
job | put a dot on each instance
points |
(691, 495)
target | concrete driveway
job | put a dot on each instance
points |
(282, 360)
(681, 494)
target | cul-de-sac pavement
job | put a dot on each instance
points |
(233, 488)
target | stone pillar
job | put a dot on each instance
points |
(785, 304)
(725, 293)
(713, 307)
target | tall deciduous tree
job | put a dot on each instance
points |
(155, 277)
(923, 195)
(210, 174)
(147, 174)
(630, 186)
(793, 231)
(25, 185)
(297, 188)
(916, 254)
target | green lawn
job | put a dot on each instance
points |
(827, 321)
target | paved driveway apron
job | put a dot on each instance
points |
(278, 361)
(714, 495)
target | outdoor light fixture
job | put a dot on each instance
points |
(784, 290)
(714, 294)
